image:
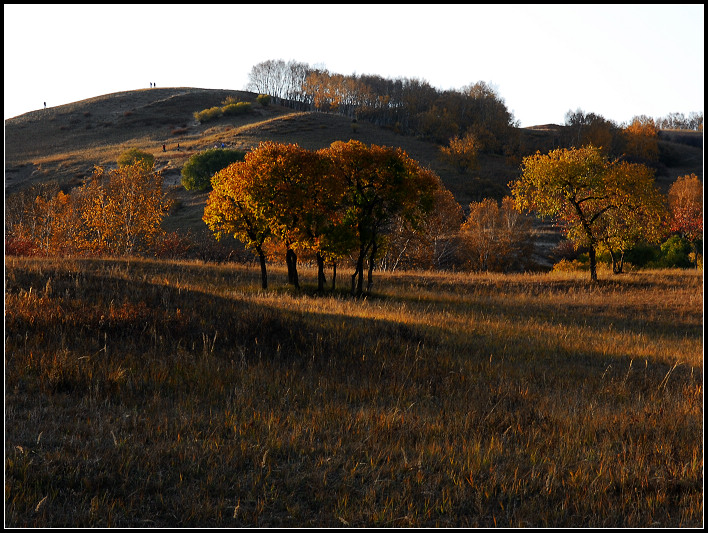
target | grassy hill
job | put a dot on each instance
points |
(154, 393)
(64, 143)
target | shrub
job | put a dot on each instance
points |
(263, 99)
(676, 252)
(198, 170)
(206, 115)
(132, 156)
(238, 108)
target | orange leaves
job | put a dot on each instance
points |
(641, 139)
(327, 202)
(123, 211)
(686, 206)
(118, 212)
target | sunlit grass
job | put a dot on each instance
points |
(144, 393)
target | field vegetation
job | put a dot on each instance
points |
(171, 390)
(155, 393)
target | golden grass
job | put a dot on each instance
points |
(146, 393)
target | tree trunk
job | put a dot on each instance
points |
(358, 276)
(593, 264)
(264, 273)
(320, 273)
(617, 262)
(291, 261)
(372, 258)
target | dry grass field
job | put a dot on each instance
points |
(147, 393)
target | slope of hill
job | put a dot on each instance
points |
(64, 143)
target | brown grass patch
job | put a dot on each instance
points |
(146, 393)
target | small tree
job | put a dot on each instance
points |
(496, 238)
(122, 210)
(584, 190)
(461, 153)
(686, 210)
(232, 210)
(382, 183)
(199, 169)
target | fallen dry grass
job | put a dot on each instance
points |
(145, 393)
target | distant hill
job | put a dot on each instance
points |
(64, 143)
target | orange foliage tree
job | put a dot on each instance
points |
(331, 203)
(122, 209)
(114, 213)
(381, 184)
(232, 210)
(461, 152)
(641, 139)
(686, 209)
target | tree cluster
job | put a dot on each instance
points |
(114, 213)
(333, 204)
(200, 167)
(408, 105)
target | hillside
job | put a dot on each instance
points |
(64, 143)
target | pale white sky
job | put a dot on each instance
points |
(617, 61)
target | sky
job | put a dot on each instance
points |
(617, 61)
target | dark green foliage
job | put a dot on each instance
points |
(675, 252)
(198, 170)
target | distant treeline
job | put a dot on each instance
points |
(413, 107)
(408, 105)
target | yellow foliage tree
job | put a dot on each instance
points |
(122, 210)
(641, 139)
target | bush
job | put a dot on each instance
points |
(676, 253)
(238, 108)
(132, 156)
(263, 99)
(198, 170)
(206, 115)
(642, 255)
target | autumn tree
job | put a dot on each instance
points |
(432, 244)
(381, 183)
(232, 210)
(638, 218)
(461, 153)
(641, 139)
(496, 237)
(583, 190)
(115, 213)
(686, 210)
(122, 209)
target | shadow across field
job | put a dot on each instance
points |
(141, 310)
(163, 394)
